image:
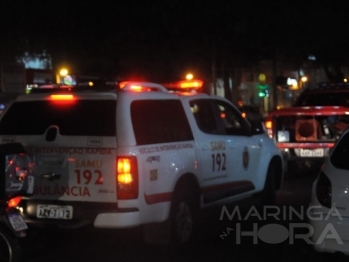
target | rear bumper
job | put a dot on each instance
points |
(118, 220)
(292, 155)
(98, 214)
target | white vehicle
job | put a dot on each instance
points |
(330, 201)
(138, 155)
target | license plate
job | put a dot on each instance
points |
(54, 212)
(17, 222)
(318, 152)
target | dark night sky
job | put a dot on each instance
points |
(174, 35)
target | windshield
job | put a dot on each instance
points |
(323, 99)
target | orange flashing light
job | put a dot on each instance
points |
(13, 202)
(269, 124)
(243, 114)
(136, 88)
(196, 84)
(123, 84)
(66, 97)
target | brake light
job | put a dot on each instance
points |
(324, 190)
(268, 124)
(62, 97)
(13, 202)
(127, 177)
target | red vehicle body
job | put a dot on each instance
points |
(306, 132)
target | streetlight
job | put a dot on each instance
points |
(189, 76)
(62, 73)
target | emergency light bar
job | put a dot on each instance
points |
(141, 86)
(185, 85)
(195, 84)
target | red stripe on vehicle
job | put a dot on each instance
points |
(158, 198)
(214, 188)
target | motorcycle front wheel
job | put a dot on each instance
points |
(10, 248)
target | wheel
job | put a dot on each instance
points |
(268, 194)
(181, 226)
(183, 217)
(10, 248)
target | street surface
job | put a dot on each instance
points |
(218, 238)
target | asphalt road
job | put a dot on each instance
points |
(219, 239)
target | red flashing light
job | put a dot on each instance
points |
(123, 84)
(141, 86)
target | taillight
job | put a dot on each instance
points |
(269, 126)
(13, 202)
(324, 190)
(127, 177)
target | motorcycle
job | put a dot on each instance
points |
(16, 180)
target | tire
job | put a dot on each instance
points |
(269, 190)
(183, 217)
(10, 248)
(179, 229)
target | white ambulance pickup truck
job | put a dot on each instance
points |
(138, 156)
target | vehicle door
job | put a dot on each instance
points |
(217, 176)
(244, 150)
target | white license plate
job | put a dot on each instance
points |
(318, 152)
(17, 222)
(54, 212)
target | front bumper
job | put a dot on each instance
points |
(331, 234)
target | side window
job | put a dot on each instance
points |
(340, 155)
(159, 121)
(230, 119)
(204, 116)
